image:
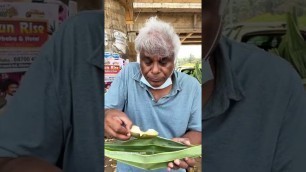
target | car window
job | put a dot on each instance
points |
(188, 71)
(265, 41)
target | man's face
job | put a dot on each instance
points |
(12, 88)
(156, 69)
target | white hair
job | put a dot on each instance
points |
(157, 38)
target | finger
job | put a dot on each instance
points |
(116, 135)
(124, 122)
(118, 119)
(112, 121)
(184, 141)
(181, 163)
(190, 161)
(171, 165)
(128, 123)
(121, 130)
(116, 125)
(123, 137)
(108, 132)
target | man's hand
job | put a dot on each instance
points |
(117, 124)
(183, 163)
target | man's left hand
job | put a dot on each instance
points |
(182, 163)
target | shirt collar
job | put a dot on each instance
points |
(228, 87)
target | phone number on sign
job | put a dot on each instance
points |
(24, 59)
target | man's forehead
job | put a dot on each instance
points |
(158, 55)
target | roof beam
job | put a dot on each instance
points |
(170, 10)
(189, 34)
(129, 11)
(168, 1)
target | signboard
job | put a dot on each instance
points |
(24, 28)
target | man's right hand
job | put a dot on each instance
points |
(117, 124)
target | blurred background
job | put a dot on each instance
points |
(276, 26)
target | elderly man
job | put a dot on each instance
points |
(254, 113)
(150, 94)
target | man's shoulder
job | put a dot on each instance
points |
(186, 80)
(248, 58)
(256, 68)
(90, 23)
(131, 70)
(132, 67)
(88, 17)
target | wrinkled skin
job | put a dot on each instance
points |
(156, 69)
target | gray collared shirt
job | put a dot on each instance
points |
(256, 118)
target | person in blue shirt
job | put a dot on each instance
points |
(253, 105)
(152, 95)
(254, 113)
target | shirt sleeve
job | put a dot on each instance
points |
(31, 125)
(116, 96)
(195, 119)
(290, 154)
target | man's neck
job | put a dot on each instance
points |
(208, 87)
(157, 94)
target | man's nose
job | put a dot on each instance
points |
(155, 68)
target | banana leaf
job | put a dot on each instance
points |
(293, 46)
(149, 154)
(197, 72)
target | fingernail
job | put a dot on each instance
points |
(177, 162)
(187, 142)
(171, 165)
(186, 159)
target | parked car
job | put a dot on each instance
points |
(186, 69)
(263, 35)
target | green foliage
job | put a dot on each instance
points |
(266, 10)
(197, 72)
(267, 17)
(187, 61)
(302, 21)
(293, 46)
(149, 154)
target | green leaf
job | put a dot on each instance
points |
(146, 146)
(150, 153)
(197, 72)
(293, 46)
